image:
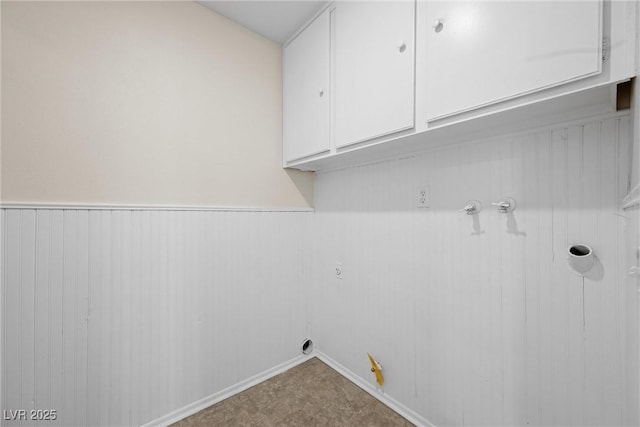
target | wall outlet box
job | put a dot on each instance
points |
(422, 197)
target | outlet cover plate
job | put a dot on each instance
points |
(422, 196)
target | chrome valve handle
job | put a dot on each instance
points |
(502, 205)
(507, 204)
(471, 207)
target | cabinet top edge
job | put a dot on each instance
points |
(315, 16)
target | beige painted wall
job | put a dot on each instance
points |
(141, 103)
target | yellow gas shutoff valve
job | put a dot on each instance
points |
(376, 368)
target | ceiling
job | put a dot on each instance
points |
(276, 20)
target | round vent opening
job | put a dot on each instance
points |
(307, 346)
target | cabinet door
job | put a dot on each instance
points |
(482, 52)
(306, 91)
(374, 69)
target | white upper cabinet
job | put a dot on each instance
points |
(374, 69)
(306, 74)
(367, 80)
(482, 52)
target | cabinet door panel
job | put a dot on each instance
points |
(306, 91)
(487, 51)
(374, 69)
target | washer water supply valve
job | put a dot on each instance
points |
(506, 205)
(472, 207)
(376, 368)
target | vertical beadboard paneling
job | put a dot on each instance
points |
(502, 333)
(95, 318)
(26, 341)
(612, 318)
(42, 310)
(125, 296)
(120, 317)
(12, 389)
(147, 293)
(137, 333)
(574, 341)
(81, 308)
(631, 335)
(56, 263)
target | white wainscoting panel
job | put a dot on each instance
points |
(477, 320)
(632, 342)
(122, 317)
(117, 317)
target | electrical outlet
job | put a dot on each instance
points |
(339, 271)
(422, 197)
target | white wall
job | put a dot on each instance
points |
(632, 255)
(632, 338)
(120, 317)
(477, 320)
(156, 103)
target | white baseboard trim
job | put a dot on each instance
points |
(205, 402)
(398, 407)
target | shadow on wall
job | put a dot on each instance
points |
(304, 184)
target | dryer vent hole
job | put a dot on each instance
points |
(307, 346)
(580, 250)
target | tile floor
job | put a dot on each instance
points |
(310, 394)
